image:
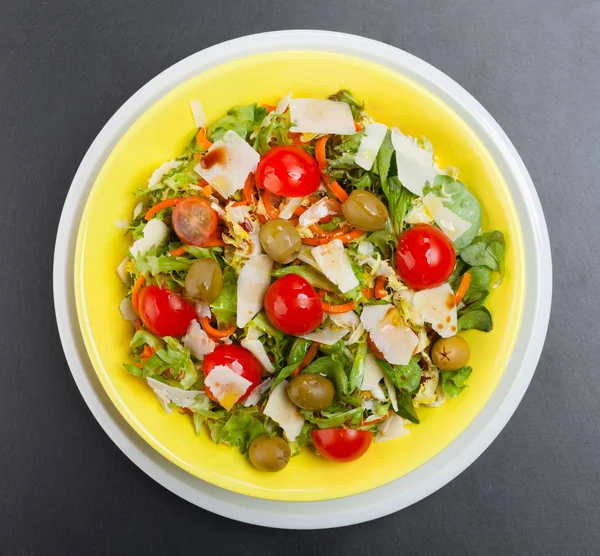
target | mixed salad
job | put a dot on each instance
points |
(300, 276)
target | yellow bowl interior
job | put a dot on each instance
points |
(162, 133)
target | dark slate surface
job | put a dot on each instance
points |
(65, 67)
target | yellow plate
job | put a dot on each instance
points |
(161, 134)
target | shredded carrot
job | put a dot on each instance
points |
(202, 139)
(207, 190)
(197, 156)
(337, 190)
(318, 232)
(316, 240)
(326, 219)
(375, 421)
(138, 324)
(135, 292)
(262, 218)
(320, 152)
(344, 308)
(267, 198)
(351, 236)
(294, 220)
(163, 205)
(239, 203)
(462, 288)
(380, 291)
(249, 191)
(178, 251)
(215, 332)
(310, 355)
(269, 107)
(357, 126)
(300, 211)
(215, 242)
(147, 353)
(368, 293)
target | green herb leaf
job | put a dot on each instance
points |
(335, 418)
(314, 277)
(407, 378)
(242, 427)
(383, 161)
(224, 307)
(479, 286)
(488, 249)
(399, 199)
(479, 319)
(241, 119)
(330, 368)
(346, 96)
(406, 409)
(295, 357)
(453, 382)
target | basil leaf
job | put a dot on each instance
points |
(383, 161)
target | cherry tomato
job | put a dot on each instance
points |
(239, 360)
(165, 313)
(194, 221)
(342, 444)
(288, 171)
(293, 305)
(425, 257)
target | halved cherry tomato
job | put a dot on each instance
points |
(194, 221)
(165, 313)
(289, 171)
(425, 257)
(293, 306)
(342, 444)
(239, 360)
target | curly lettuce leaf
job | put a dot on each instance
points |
(241, 119)
(224, 307)
(273, 134)
(453, 382)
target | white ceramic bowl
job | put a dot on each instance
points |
(437, 471)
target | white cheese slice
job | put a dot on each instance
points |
(198, 341)
(322, 208)
(370, 145)
(127, 309)
(226, 385)
(155, 232)
(389, 333)
(415, 165)
(253, 283)
(419, 215)
(438, 307)
(392, 428)
(163, 169)
(284, 412)
(258, 350)
(372, 375)
(450, 223)
(346, 320)
(313, 115)
(334, 263)
(198, 113)
(239, 160)
(290, 204)
(257, 393)
(122, 273)
(137, 210)
(283, 104)
(167, 394)
(327, 336)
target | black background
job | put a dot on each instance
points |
(65, 67)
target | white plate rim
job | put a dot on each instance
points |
(436, 472)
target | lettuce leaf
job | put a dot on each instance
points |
(478, 319)
(335, 417)
(241, 119)
(296, 355)
(453, 382)
(313, 277)
(406, 378)
(399, 200)
(346, 96)
(487, 249)
(274, 134)
(224, 307)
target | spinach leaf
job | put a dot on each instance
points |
(406, 409)
(241, 119)
(383, 161)
(479, 286)
(224, 307)
(405, 377)
(313, 277)
(332, 369)
(453, 382)
(479, 319)
(457, 198)
(346, 96)
(487, 249)
(399, 199)
(297, 353)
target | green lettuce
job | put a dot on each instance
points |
(487, 249)
(275, 133)
(224, 307)
(346, 96)
(241, 119)
(478, 318)
(297, 352)
(453, 382)
(406, 378)
(313, 277)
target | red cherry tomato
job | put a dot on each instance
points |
(288, 171)
(425, 257)
(194, 221)
(293, 305)
(239, 360)
(165, 313)
(342, 444)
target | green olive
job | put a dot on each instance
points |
(365, 211)
(311, 391)
(280, 240)
(269, 454)
(450, 354)
(204, 280)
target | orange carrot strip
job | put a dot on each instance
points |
(202, 139)
(135, 293)
(215, 242)
(249, 191)
(357, 126)
(368, 293)
(269, 107)
(310, 355)
(147, 353)
(337, 190)
(332, 235)
(300, 211)
(320, 152)
(207, 190)
(462, 288)
(215, 332)
(197, 156)
(350, 236)
(162, 205)
(343, 308)
(138, 324)
(380, 291)
(267, 198)
(375, 421)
